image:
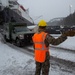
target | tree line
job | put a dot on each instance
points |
(69, 20)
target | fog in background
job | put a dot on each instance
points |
(48, 9)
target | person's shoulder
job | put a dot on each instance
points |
(36, 33)
(47, 35)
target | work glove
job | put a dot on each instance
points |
(69, 33)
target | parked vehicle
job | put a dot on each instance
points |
(17, 33)
(53, 29)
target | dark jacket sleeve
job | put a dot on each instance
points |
(54, 41)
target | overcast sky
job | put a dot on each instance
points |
(48, 9)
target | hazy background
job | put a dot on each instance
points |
(48, 9)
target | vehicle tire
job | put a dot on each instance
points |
(5, 38)
(18, 43)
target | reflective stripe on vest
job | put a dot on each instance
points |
(42, 43)
(42, 46)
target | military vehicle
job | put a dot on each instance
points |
(14, 19)
(17, 33)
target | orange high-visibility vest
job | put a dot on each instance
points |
(40, 47)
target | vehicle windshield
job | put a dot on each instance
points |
(21, 28)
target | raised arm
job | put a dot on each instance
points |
(56, 41)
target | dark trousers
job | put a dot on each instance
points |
(44, 67)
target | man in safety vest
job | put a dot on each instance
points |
(41, 41)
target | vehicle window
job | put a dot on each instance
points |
(21, 29)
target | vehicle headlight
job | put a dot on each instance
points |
(21, 36)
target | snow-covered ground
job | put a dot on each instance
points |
(15, 62)
(68, 44)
